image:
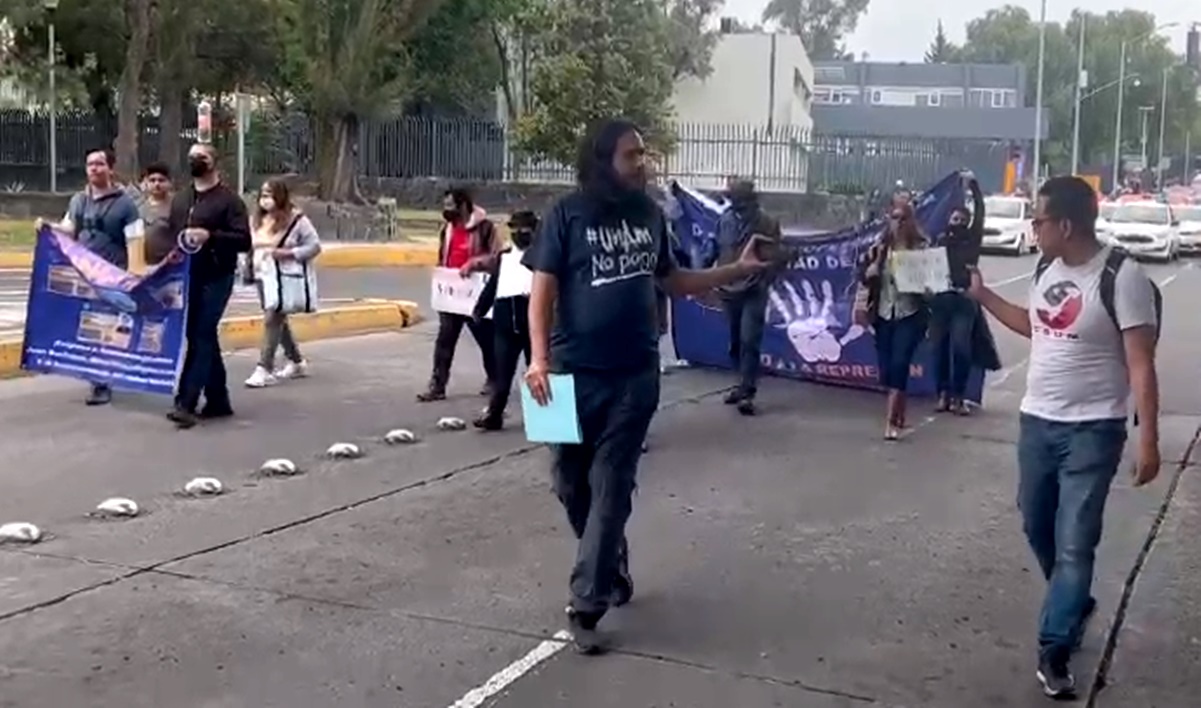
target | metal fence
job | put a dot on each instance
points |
(783, 159)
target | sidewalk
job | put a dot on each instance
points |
(793, 559)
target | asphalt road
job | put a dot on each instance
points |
(793, 559)
(334, 287)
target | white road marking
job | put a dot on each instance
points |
(511, 673)
(1014, 279)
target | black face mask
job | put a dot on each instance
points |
(450, 215)
(957, 229)
(199, 166)
(523, 238)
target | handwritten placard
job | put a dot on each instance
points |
(452, 293)
(921, 271)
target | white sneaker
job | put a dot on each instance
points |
(293, 370)
(261, 378)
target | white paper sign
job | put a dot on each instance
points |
(921, 271)
(452, 293)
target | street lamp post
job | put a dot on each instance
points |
(1163, 120)
(1144, 114)
(51, 6)
(1038, 101)
(1080, 81)
(1117, 129)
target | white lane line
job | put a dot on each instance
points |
(508, 675)
(1014, 279)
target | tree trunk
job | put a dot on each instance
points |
(137, 18)
(337, 142)
(170, 146)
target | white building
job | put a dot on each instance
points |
(751, 116)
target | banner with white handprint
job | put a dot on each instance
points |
(810, 331)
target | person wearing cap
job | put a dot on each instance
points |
(745, 301)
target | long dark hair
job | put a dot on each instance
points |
(599, 181)
(280, 193)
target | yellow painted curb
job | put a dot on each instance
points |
(16, 259)
(246, 332)
(337, 256)
(378, 255)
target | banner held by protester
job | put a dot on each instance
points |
(810, 331)
(91, 320)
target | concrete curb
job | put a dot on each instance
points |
(245, 332)
(336, 255)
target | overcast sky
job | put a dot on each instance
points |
(901, 30)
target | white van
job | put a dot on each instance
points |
(1007, 225)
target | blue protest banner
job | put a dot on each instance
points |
(810, 333)
(91, 320)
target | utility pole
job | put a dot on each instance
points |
(1117, 130)
(1163, 120)
(1081, 80)
(1038, 107)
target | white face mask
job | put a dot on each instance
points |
(267, 204)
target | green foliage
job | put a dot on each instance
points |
(692, 36)
(822, 25)
(942, 50)
(597, 59)
(1009, 35)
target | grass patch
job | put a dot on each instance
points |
(17, 234)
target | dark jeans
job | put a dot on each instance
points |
(1066, 470)
(203, 367)
(746, 313)
(511, 340)
(595, 480)
(953, 315)
(896, 343)
(450, 326)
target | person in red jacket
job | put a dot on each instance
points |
(468, 243)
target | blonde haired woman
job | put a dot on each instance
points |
(281, 233)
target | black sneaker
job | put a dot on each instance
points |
(746, 406)
(434, 394)
(584, 637)
(100, 396)
(215, 412)
(1055, 675)
(733, 398)
(183, 419)
(623, 590)
(489, 423)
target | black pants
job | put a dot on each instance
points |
(450, 326)
(511, 333)
(203, 367)
(595, 480)
(746, 313)
(952, 317)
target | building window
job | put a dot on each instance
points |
(998, 99)
(877, 97)
(936, 99)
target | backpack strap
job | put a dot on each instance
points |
(1109, 282)
(1041, 267)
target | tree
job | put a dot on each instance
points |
(592, 63)
(138, 16)
(692, 36)
(942, 50)
(822, 25)
(346, 61)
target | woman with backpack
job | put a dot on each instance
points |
(284, 239)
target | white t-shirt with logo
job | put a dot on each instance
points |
(1077, 358)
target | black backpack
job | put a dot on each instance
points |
(1109, 277)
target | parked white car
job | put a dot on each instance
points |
(1146, 230)
(1007, 225)
(1189, 216)
(1104, 221)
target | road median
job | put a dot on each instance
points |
(364, 317)
(335, 255)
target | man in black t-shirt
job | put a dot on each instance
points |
(596, 262)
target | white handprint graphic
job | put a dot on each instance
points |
(809, 322)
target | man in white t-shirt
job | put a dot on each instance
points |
(1084, 363)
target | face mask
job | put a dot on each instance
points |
(199, 166)
(523, 238)
(267, 204)
(450, 215)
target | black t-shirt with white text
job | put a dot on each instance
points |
(606, 317)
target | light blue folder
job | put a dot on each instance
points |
(557, 422)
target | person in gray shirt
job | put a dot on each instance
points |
(102, 217)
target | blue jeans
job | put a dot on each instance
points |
(953, 315)
(896, 343)
(1066, 471)
(746, 315)
(203, 367)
